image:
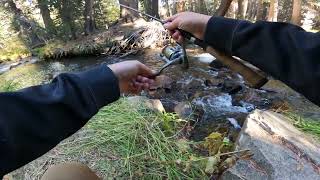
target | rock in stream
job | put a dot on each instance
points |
(281, 152)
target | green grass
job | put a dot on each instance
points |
(13, 50)
(139, 145)
(8, 86)
(311, 126)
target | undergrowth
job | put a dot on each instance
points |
(13, 49)
(8, 86)
(140, 144)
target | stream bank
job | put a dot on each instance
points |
(213, 97)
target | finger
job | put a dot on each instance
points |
(171, 32)
(176, 35)
(137, 84)
(171, 18)
(172, 25)
(180, 39)
(151, 81)
(145, 71)
(145, 86)
(142, 79)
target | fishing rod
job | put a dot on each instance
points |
(145, 14)
(253, 78)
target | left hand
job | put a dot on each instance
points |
(133, 76)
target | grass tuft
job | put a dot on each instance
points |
(311, 126)
(13, 50)
(8, 86)
(137, 145)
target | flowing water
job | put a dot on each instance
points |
(218, 98)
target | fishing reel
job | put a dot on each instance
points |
(174, 55)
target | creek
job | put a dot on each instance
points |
(215, 98)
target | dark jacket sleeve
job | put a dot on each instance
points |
(34, 120)
(283, 50)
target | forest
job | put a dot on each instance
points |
(28, 24)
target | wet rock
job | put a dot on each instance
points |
(169, 104)
(280, 150)
(162, 81)
(230, 87)
(217, 64)
(153, 104)
(183, 109)
(205, 58)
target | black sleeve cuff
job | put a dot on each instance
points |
(103, 83)
(219, 33)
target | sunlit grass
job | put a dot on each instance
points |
(8, 86)
(308, 125)
(137, 144)
(13, 49)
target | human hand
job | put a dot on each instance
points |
(133, 76)
(193, 23)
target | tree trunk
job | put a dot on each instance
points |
(245, 8)
(27, 28)
(65, 11)
(167, 7)
(260, 10)
(232, 11)
(296, 12)
(89, 21)
(174, 7)
(151, 7)
(147, 6)
(45, 13)
(273, 11)
(155, 8)
(127, 14)
(240, 9)
(251, 11)
(223, 8)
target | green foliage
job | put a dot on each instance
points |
(308, 125)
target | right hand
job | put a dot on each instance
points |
(193, 23)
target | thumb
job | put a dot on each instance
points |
(172, 25)
(145, 71)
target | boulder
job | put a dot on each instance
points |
(280, 150)
(153, 104)
(162, 81)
